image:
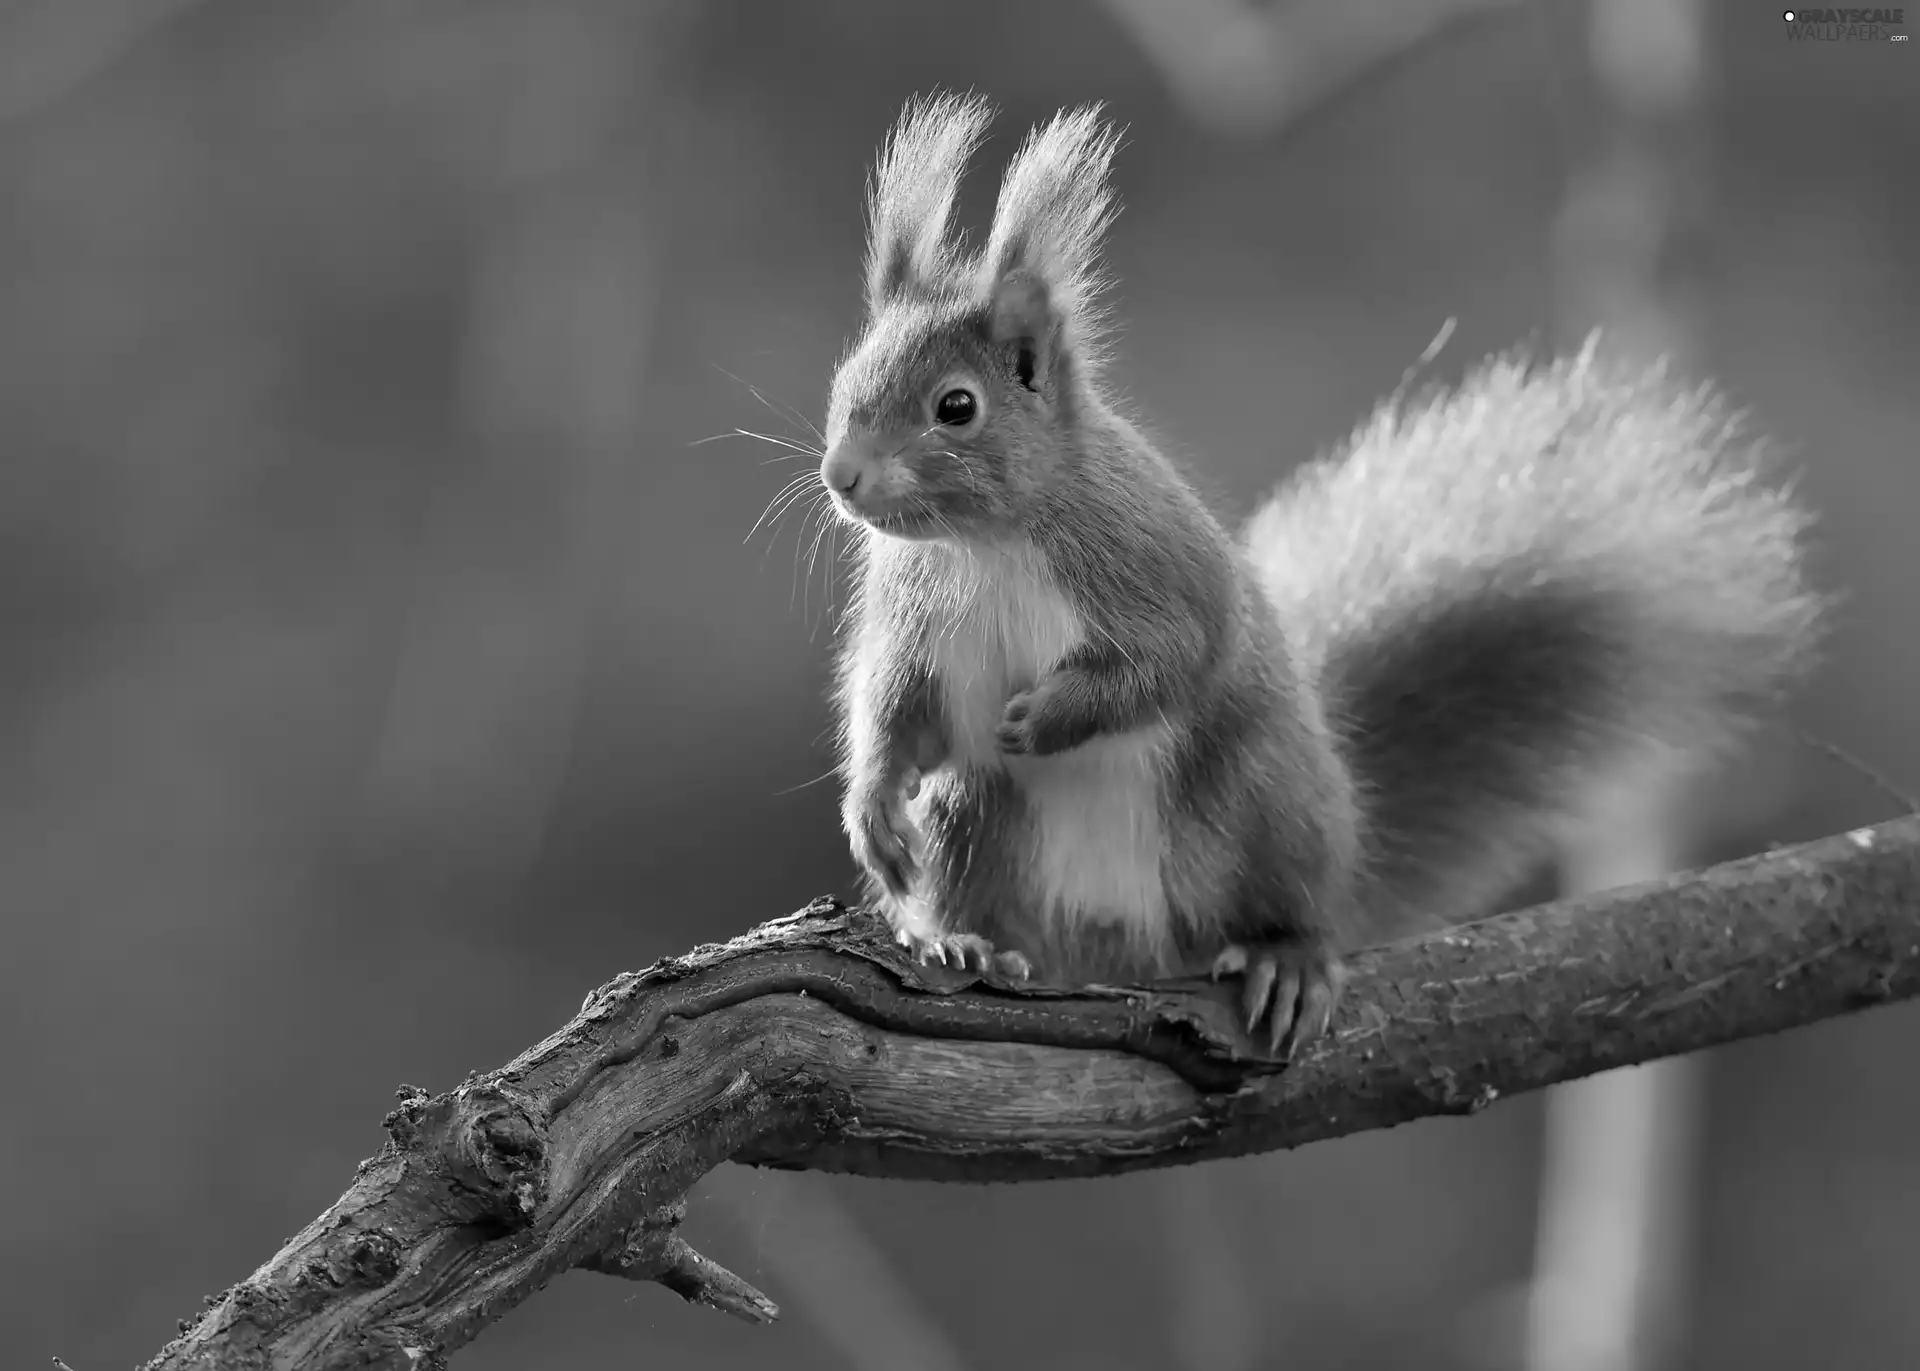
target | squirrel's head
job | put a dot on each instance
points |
(959, 404)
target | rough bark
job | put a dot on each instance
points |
(810, 1043)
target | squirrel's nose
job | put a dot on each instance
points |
(843, 469)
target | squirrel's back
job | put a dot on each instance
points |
(1512, 588)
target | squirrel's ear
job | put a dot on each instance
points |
(1023, 320)
(1043, 256)
(911, 196)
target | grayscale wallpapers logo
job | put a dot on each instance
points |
(1846, 26)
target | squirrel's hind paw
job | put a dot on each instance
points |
(1293, 986)
(964, 951)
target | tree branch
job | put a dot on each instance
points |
(810, 1043)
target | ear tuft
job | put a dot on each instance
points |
(910, 198)
(1054, 210)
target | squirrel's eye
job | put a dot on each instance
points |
(956, 408)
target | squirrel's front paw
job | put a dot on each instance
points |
(882, 838)
(1016, 730)
(963, 951)
(1038, 722)
(1292, 985)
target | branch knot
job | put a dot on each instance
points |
(497, 1150)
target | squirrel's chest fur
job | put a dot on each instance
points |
(1091, 825)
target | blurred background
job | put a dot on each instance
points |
(387, 663)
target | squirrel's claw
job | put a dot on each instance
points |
(964, 951)
(1291, 986)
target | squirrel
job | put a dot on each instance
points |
(1088, 734)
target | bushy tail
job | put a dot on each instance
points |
(1514, 589)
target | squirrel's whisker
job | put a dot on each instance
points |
(781, 410)
(799, 449)
(783, 500)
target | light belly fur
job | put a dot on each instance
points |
(1095, 809)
